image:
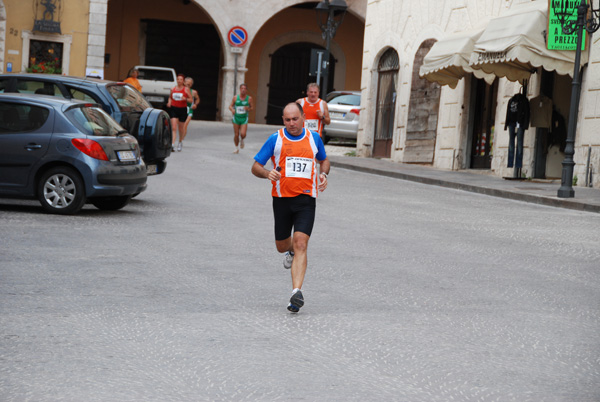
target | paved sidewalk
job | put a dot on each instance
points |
(586, 199)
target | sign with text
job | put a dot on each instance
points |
(557, 39)
(47, 15)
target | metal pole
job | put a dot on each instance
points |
(320, 59)
(566, 188)
(328, 37)
(235, 72)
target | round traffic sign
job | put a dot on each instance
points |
(237, 36)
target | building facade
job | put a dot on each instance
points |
(459, 122)
(107, 37)
(65, 34)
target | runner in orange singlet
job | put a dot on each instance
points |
(316, 113)
(295, 153)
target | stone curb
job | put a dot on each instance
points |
(495, 192)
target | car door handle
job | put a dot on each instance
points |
(31, 146)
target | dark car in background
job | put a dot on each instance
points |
(344, 111)
(66, 153)
(151, 127)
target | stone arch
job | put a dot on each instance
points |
(286, 39)
(423, 110)
(386, 102)
(366, 134)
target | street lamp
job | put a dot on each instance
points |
(330, 15)
(590, 23)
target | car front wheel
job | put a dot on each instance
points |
(111, 203)
(61, 191)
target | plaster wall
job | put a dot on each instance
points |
(19, 29)
(404, 26)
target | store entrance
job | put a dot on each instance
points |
(550, 142)
(483, 111)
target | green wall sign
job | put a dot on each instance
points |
(557, 39)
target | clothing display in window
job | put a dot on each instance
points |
(517, 111)
(541, 111)
(517, 121)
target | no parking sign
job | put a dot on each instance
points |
(237, 36)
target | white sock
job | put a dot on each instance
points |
(295, 290)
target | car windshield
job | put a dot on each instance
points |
(128, 99)
(92, 120)
(345, 99)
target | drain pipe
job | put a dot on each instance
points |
(453, 158)
(587, 168)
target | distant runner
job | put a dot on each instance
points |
(240, 106)
(316, 112)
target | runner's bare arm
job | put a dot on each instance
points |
(170, 96)
(259, 171)
(326, 118)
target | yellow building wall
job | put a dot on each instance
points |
(74, 21)
(123, 29)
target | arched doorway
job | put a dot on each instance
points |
(190, 48)
(388, 68)
(169, 33)
(423, 111)
(290, 76)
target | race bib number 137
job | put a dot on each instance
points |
(298, 167)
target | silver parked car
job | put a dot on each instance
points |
(344, 110)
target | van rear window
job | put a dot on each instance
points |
(155, 75)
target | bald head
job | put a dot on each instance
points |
(293, 118)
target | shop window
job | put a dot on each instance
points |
(45, 57)
(53, 49)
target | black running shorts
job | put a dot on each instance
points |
(293, 212)
(178, 113)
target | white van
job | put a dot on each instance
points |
(157, 83)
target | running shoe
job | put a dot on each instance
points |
(237, 151)
(179, 147)
(296, 302)
(173, 148)
(288, 257)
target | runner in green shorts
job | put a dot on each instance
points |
(240, 106)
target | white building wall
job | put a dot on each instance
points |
(96, 38)
(404, 25)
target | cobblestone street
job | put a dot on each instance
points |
(413, 293)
